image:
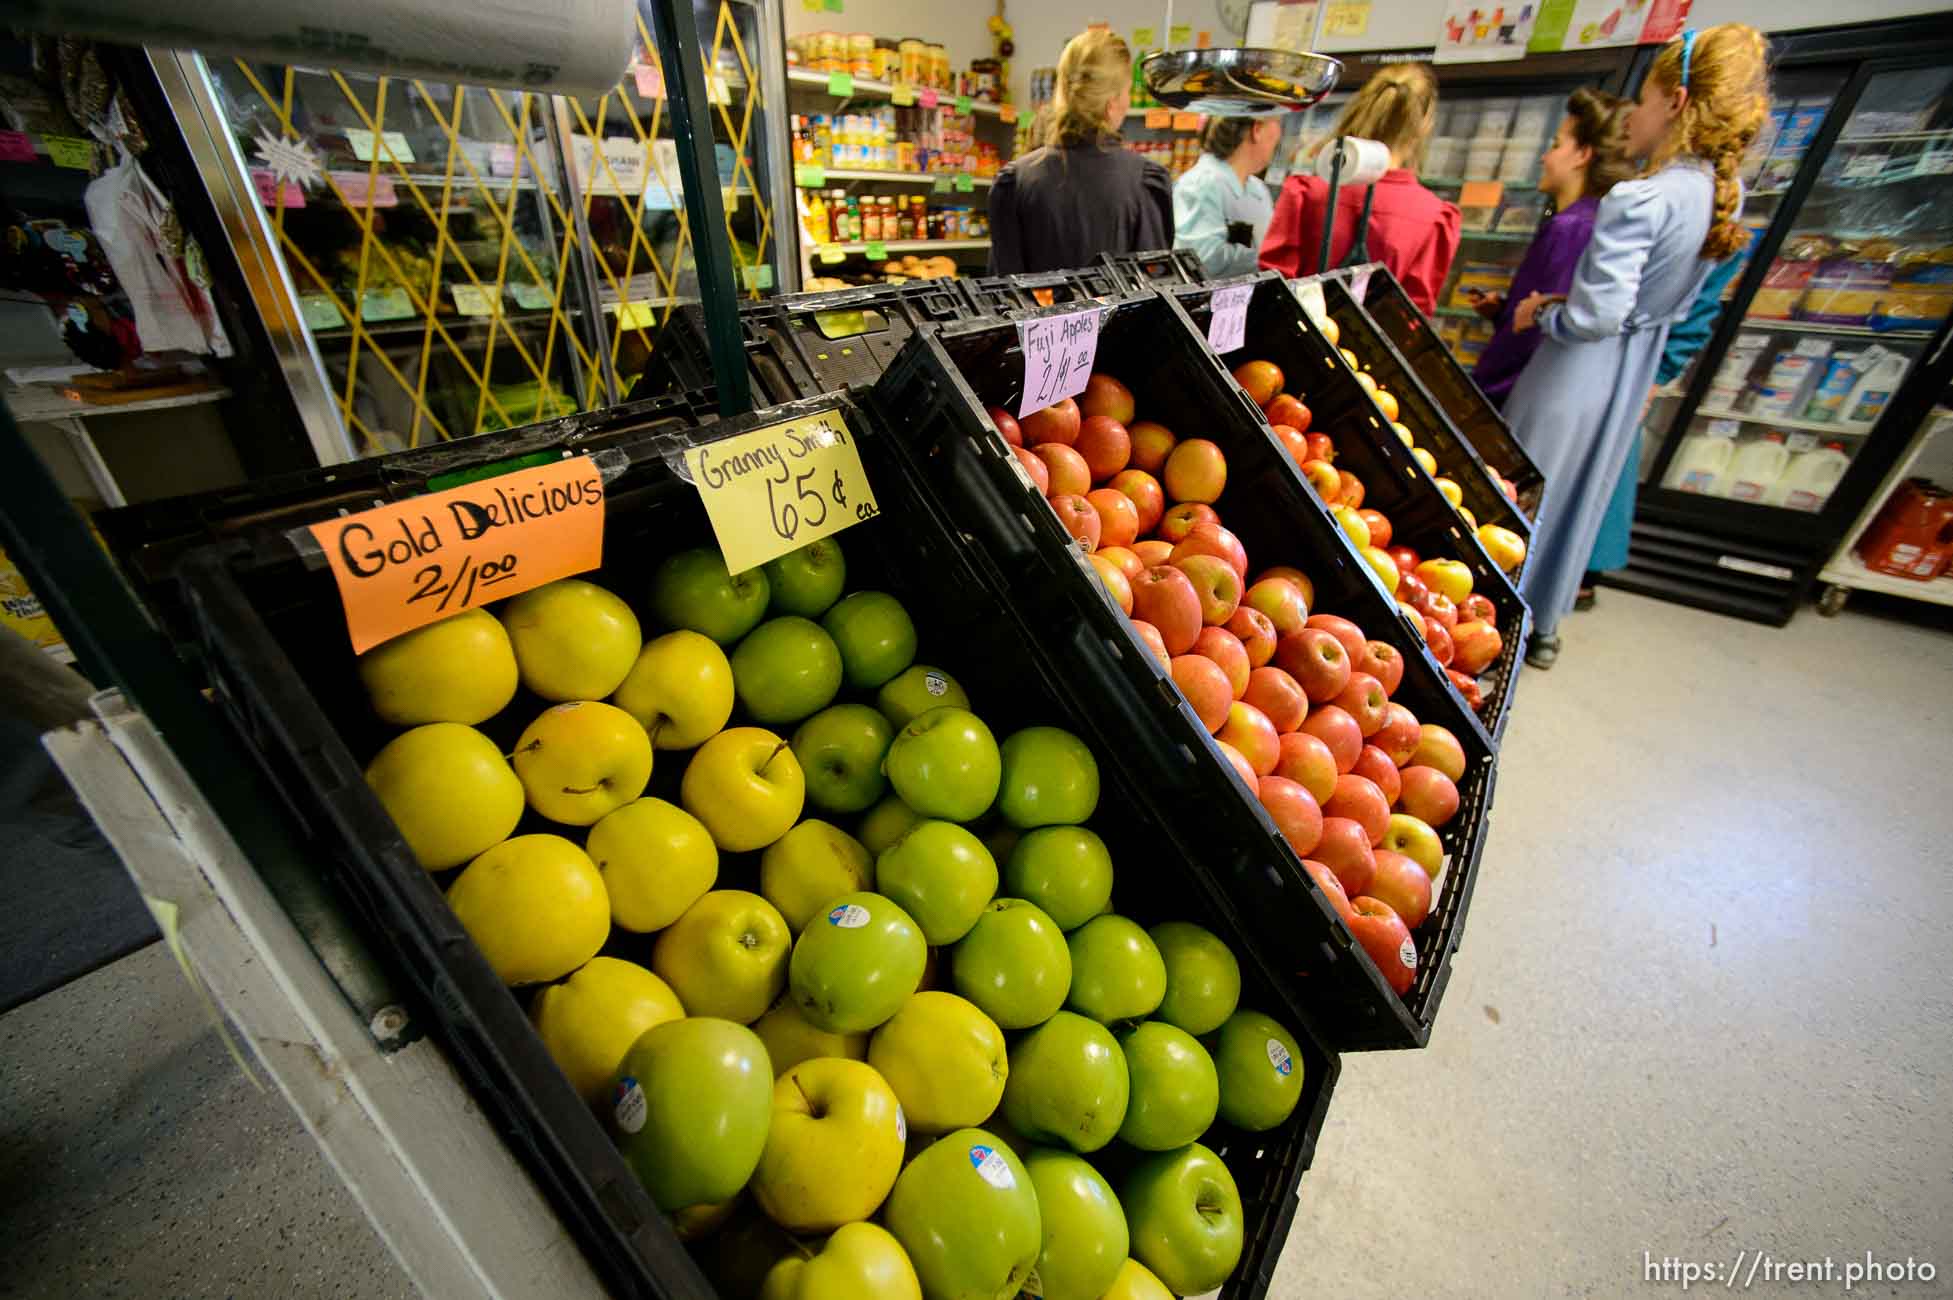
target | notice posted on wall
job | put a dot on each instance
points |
(1471, 33)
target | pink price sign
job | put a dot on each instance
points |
(16, 146)
(360, 194)
(271, 193)
(927, 97)
(1058, 356)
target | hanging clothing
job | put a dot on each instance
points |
(1547, 268)
(1412, 231)
(1577, 405)
(129, 215)
(1685, 339)
(1060, 207)
(1221, 217)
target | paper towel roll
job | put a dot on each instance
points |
(561, 46)
(1363, 160)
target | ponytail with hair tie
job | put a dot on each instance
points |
(1725, 70)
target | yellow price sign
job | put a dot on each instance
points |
(1007, 112)
(901, 94)
(779, 487)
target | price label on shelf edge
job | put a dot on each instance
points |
(1058, 356)
(1158, 119)
(901, 94)
(1228, 327)
(472, 300)
(780, 487)
(405, 565)
(927, 97)
(876, 251)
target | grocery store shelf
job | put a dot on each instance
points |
(1498, 236)
(1839, 331)
(903, 246)
(415, 324)
(1767, 194)
(1780, 422)
(1461, 313)
(865, 88)
(1443, 182)
(1847, 570)
(1899, 137)
(916, 178)
(36, 402)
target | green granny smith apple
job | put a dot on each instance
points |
(1067, 1084)
(885, 823)
(1260, 1066)
(1184, 1213)
(1085, 1240)
(692, 590)
(1063, 869)
(945, 764)
(854, 966)
(917, 689)
(1049, 779)
(1014, 964)
(807, 581)
(693, 1101)
(841, 749)
(941, 875)
(876, 636)
(785, 670)
(1175, 1091)
(809, 866)
(1203, 980)
(966, 1213)
(1116, 971)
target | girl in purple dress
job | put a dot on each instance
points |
(1587, 158)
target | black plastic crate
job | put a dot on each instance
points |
(1279, 330)
(271, 629)
(803, 344)
(1471, 413)
(1422, 413)
(148, 539)
(1156, 266)
(941, 385)
(1004, 295)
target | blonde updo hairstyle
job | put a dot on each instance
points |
(1396, 108)
(1095, 67)
(1729, 100)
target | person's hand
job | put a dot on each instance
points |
(1488, 305)
(1527, 313)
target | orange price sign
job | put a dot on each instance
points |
(1186, 121)
(414, 562)
(1158, 118)
(1480, 194)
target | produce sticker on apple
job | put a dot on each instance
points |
(414, 562)
(777, 488)
(991, 1168)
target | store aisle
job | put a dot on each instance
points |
(1697, 1011)
(1699, 1006)
(135, 1160)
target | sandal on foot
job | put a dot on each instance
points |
(1542, 651)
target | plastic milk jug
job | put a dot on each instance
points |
(1702, 458)
(1754, 469)
(1871, 394)
(1809, 481)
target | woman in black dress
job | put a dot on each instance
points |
(1082, 194)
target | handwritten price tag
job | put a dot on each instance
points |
(1058, 356)
(809, 176)
(16, 146)
(1186, 121)
(964, 183)
(876, 251)
(1158, 119)
(72, 151)
(778, 488)
(472, 300)
(650, 81)
(405, 565)
(1228, 329)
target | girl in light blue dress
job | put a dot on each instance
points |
(1577, 404)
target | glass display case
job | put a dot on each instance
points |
(457, 259)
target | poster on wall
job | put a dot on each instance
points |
(1482, 33)
(1593, 24)
(1283, 25)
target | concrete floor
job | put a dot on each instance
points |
(1697, 1011)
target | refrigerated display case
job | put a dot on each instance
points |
(1832, 344)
